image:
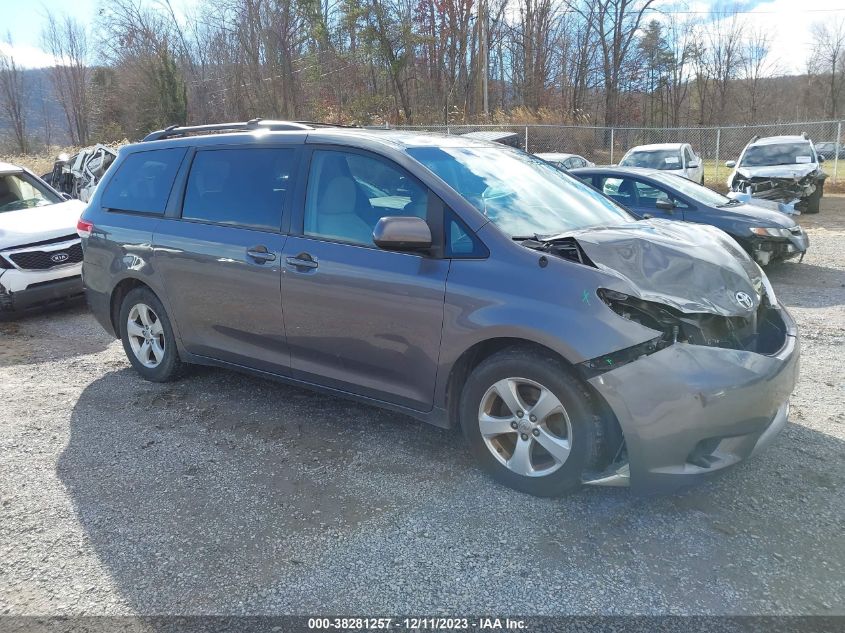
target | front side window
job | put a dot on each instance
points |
(523, 195)
(653, 159)
(698, 193)
(239, 187)
(143, 181)
(647, 195)
(348, 193)
(21, 191)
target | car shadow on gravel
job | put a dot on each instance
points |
(224, 493)
(55, 334)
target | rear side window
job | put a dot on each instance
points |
(240, 187)
(143, 181)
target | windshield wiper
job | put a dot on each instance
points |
(730, 203)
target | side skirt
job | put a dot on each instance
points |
(436, 417)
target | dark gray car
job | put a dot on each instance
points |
(457, 281)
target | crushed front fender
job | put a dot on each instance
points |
(688, 411)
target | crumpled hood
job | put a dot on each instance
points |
(796, 171)
(39, 223)
(691, 267)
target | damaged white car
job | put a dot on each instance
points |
(79, 174)
(40, 251)
(783, 169)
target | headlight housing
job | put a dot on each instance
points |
(770, 232)
(679, 327)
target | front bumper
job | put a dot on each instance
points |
(688, 411)
(765, 251)
(22, 290)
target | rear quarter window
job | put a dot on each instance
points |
(143, 181)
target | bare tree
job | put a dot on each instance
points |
(66, 39)
(828, 58)
(724, 59)
(616, 24)
(757, 65)
(13, 96)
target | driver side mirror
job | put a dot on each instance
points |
(664, 204)
(730, 163)
(402, 233)
(66, 196)
(694, 164)
(821, 159)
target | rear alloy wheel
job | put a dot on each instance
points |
(530, 422)
(148, 337)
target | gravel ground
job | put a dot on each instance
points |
(228, 494)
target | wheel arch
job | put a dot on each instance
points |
(480, 351)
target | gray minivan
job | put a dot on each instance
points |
(457, 281)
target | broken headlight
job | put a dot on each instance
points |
(708, 329)
(770, 232)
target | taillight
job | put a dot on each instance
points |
(84, 229)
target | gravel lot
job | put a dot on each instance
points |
(228, 494)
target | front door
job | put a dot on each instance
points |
(220, 262)
(359, 318)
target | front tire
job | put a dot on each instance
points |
(530, 423)
(147, 336)
(814, 201)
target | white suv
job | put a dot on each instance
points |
(40, 252)
(675, 158)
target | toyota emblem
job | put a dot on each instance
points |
(58, 258)
(744, 300)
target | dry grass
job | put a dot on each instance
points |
(42, 161)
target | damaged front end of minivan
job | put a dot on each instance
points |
(712, 386)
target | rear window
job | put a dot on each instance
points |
(143, 181)
(240, 187)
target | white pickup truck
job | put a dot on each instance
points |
(40, 251)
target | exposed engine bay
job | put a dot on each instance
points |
(734, 306)
(791, 190)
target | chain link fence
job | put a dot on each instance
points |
(715, 145)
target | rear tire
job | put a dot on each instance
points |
(511, 445)
(148, 338)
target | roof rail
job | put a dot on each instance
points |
(316, 124)
(252, 124)
(806, 136)
(754, 138)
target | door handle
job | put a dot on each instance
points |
(302, 261)
(260, 254)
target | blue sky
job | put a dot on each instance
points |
(787, 22)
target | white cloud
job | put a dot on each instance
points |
(788, 23)
(26, 56)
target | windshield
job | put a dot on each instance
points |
(653, 159)
(22, 191)
(523, 195)
(697, 192)
(778, 154)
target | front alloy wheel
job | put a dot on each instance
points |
(530, 422)
(525, 427)
(146, 335)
